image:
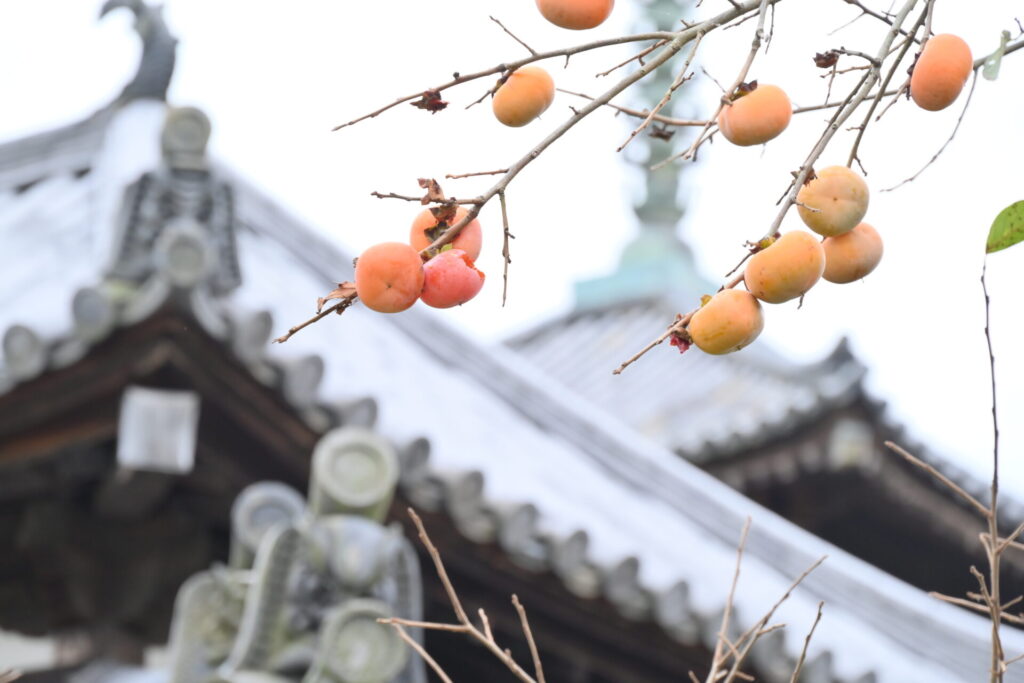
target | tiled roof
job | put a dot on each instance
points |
(511, 455)
(701, 406)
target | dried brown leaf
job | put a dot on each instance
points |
(661, 133)
(344, 290)
(743, 89)
(431, 101)
(826, 60)
(444, 214)
(433, 188)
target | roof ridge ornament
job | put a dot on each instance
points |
(156, 67)
(179, 220)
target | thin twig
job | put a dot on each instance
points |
(807, 641)
(1010, 618)
(641, 113)
(637, 57)
(994, 549)
(970, 94)
(723, 632)
(420, 199)
(680, 79)
(421, 652)
(486, 638)
(486, 623)
(864, 10)
(505, 253)
(442, 574)
(881, 92)
(514, 37)
(953, 486)
(538, 669)
(755, 45)
(338, 308)
(470, 175)
(1010, 540)
(512, 66)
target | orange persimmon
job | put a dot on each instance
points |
(389, 277)
(756, 117)
(524, 96)
(575, 14)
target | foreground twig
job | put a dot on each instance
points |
(728, 656)
(807, 641)
(422, 652)
(953, 486)
(525, 623)
(338, 308)
(988, 599)
(485, 636)
(505, 253)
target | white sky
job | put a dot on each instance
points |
(274, 77)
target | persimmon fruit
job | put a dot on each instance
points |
(786, 269)
(450, 279)
(731, 320)
(756, 117)
(834, 202)
(389, 277)
(469, 239)
(940, 72)
(524, 96)
(852, 255)
(576, 14)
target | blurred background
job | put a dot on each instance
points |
(275, 80)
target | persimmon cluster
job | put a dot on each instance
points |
(391, 276)
(786, 266)
(832, 204)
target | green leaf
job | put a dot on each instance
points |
(1007, 228)
(991, 69)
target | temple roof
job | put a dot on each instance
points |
(512, 455)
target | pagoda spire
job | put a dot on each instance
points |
(656, 263)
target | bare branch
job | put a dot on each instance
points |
(755, 45)
(680, 79)
(459, 79)
(1009, 618)
(970, 94)
(953, 486)
(529, 638)
(470, 175)
(881, 92)
(505, 253)
(421, 652)
(338, 308)
(717, 659)
(514, 37)
(637, 57)
(807, 641)
(641, 114)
